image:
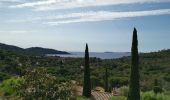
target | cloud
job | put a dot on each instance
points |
(103, 15)
(19, 1)
(43, 5)
(92, 16)
(14, 32)
(7, 3)
(37, 3)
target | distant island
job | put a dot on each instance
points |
(31, 50)
(115, 52)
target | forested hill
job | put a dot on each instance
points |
(158, 54)
(11, 48)
(39, 50)
(153, 65)
(30, 51)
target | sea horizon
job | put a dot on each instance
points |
(101, 55)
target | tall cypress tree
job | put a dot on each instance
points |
(134, 88)
(87, 83)
(106, 80)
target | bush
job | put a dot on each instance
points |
(4, 76)
(78, 98)
(167, 77)
(124, 91)
(153, 96)
(117, 98)
(118, 81)
(157, 89)
(148, 96)
(81, 98)
(38, 84)
(146, 85)
(8, 87)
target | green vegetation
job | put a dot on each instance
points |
(157, 89)
(153, 66)
(81, 98)
(4, 76)
(134, 90)
(123, 91)
(106, 81)
(152, 96)
(118, 98)
(8, 87)
(38, 84)
(87, 83)
(28, 76)
(145, 96)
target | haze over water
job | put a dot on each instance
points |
(109, 55)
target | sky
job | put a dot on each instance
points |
(106, 25)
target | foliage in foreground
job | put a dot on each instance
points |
(38, 84)
(81, 98)
(123, 91)
(157, 88)
(152, 96)
(8, 87)
(117, 98)
(145, 96)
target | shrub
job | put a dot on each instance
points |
(148, 96)
(81, 98)
(4, 76)
(117, 98)
(7, 87)
(167, 77)
(118, 81)
(153, 96)
(124, 91)
(38, 84)
(157, 89)
(146, 85)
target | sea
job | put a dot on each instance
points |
(101, 55)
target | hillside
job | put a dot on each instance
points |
(11, 48)
(154, 65)
(39, 50)
(30, 51)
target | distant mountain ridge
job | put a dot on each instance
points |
(32, 50)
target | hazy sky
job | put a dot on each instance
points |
(106, 25)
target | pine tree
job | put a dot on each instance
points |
(134, 88)
(106, 80)
(87, 83)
